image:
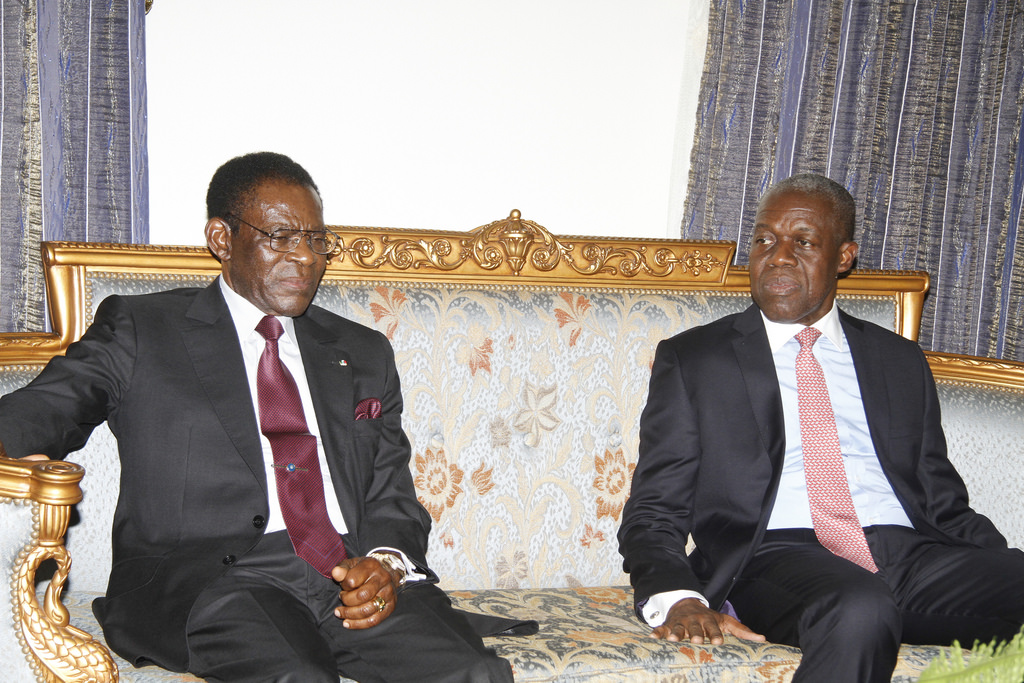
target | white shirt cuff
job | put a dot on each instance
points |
(410, 569)
(656, 609)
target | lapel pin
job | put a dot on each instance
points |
(342, 363)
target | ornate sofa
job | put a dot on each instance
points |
(524, 361)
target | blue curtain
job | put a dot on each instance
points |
(916, 107)
(73, 140)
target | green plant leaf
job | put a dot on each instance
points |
(994, 662)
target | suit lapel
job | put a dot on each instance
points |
(223, 378)
(329, 375)
(758, 369)
(212, 342)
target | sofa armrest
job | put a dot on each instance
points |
(35, 504)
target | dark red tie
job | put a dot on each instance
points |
(835, 519)
(300, 486)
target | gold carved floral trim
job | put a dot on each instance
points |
(520, 248)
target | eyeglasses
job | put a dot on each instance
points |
(284, 240)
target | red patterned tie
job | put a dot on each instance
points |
(835, 520)
(300, 486)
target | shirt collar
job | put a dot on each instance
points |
(247, 316)
(828, 324)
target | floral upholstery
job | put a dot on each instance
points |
(522, 406)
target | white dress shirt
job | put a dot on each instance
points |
(873, 497)
(246, 317)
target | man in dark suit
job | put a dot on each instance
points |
(734, 449)
(210, 574)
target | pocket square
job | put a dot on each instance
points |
(368, 409)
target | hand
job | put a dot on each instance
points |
(364, 582)
(37, 456)
(690, 620)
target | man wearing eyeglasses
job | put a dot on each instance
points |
(267, 527)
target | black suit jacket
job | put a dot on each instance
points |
(166, 372)
(712, 441)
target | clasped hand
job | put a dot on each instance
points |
(690, 620)
(368, 592)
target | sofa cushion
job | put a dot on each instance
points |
(590, 634)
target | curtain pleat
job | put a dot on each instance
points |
(21, 282)
(109, 141)
(73, 141)
(1010, 257)
(915, 107)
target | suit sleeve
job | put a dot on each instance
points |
(946, 502)
(658, 517)
(55, 413)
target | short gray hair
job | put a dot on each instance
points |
(844, 209)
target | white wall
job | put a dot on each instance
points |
(442, 114)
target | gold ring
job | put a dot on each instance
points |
(379, 601)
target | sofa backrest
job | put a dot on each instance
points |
(983, 417)
(524, 361)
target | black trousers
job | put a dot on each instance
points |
(271, 618)
(849, 622)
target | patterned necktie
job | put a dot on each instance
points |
(835, 520)
(300, 486)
